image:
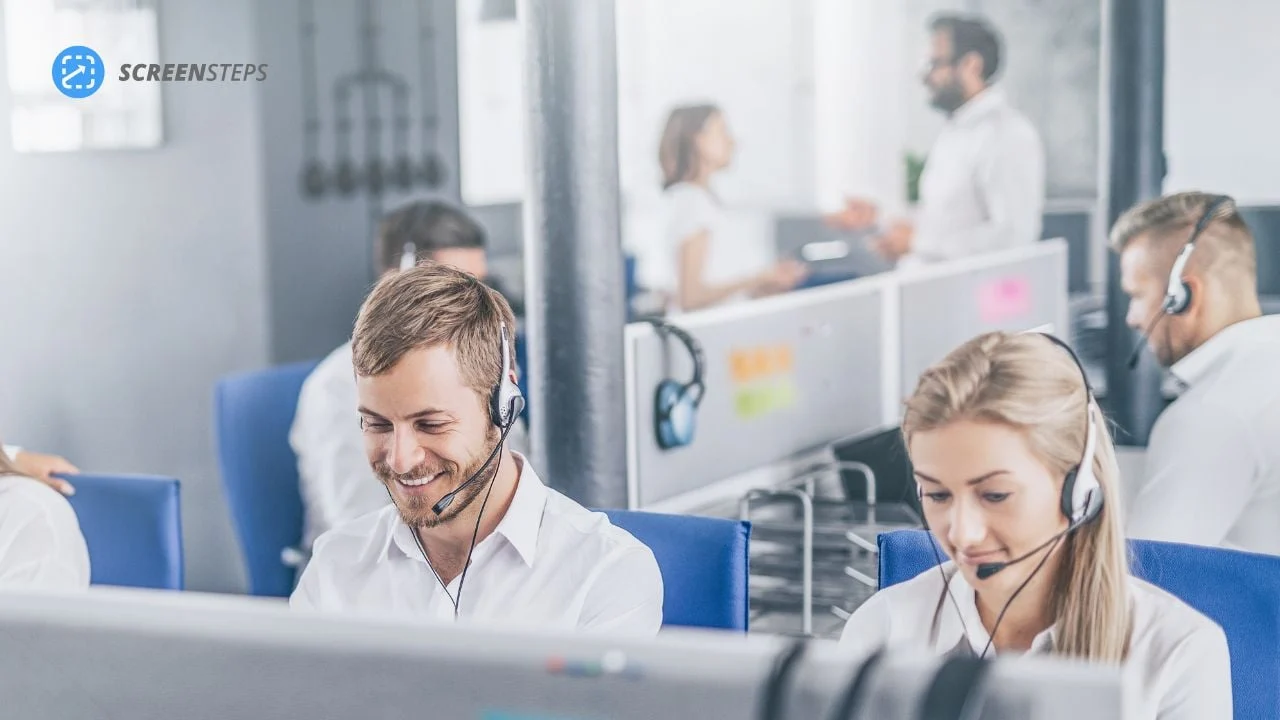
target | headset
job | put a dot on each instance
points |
(675, 403)
(1177, 295)
(505, 405)
(409, 256)
(1080, 503)
(506, 402)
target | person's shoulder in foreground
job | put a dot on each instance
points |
(1180, 655)
(41, 545)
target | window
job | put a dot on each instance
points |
(119, 115)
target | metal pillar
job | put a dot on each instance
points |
(573, 255)
(1136, 48)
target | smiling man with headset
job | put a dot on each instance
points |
(472, 533)
(334, 479)
(1189, 267)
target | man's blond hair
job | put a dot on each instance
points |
(434, 305)
(1224, 249)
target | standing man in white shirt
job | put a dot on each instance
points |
(982, 188)
(1188, 264)
(473, 533)
(336, 483)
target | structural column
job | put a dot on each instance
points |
(1135, 44)
(573, 257)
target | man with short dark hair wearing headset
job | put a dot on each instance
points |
(1017, 479)
(1188, 264)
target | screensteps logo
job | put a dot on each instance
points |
(79, 72)
(186, 72)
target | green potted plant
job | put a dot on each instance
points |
(915, 166)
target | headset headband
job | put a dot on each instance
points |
(690, 344)
(1082, 497)
(1177, 294)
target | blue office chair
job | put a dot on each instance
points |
(703, 563)
(132, 525)
(630, 283)
(1239, 591)
(253, 413)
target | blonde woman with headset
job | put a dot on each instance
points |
(1017, 478)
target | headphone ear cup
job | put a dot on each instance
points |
(1181, 302)
(1069, 493)
(506, 402)
(672, 415)
(495, 406)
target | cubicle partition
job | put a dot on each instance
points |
(795, 373)
(942, 306)
(783, 376)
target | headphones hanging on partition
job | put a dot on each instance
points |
(1177, 297)
(675, 403)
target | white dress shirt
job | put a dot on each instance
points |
(982, 188)
(1213, 459)
(336, 481)
(550, 562)
(41, 546)
(1177, 657)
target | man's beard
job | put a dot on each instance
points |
(417, 511)
(948, 98)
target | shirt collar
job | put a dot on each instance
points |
(1212, 354)
(523, 521)
(520, 525)
(979, 106)
(969, 624)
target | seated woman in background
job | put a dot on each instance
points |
(1018, 480)
(41, 546)
(698, 264)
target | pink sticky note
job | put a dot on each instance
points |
(1004, 299)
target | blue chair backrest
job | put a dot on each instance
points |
(132, 525)
(703, 563)
(1239, 591)
(254, 413)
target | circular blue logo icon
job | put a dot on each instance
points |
(78, 72)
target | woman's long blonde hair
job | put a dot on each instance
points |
(1027, 382)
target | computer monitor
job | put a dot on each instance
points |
(829, 252)
(159, 656)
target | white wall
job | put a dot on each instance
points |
(860, 113)
(1221, 109)
(751, 57)
(491, 107)
(133, 280)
